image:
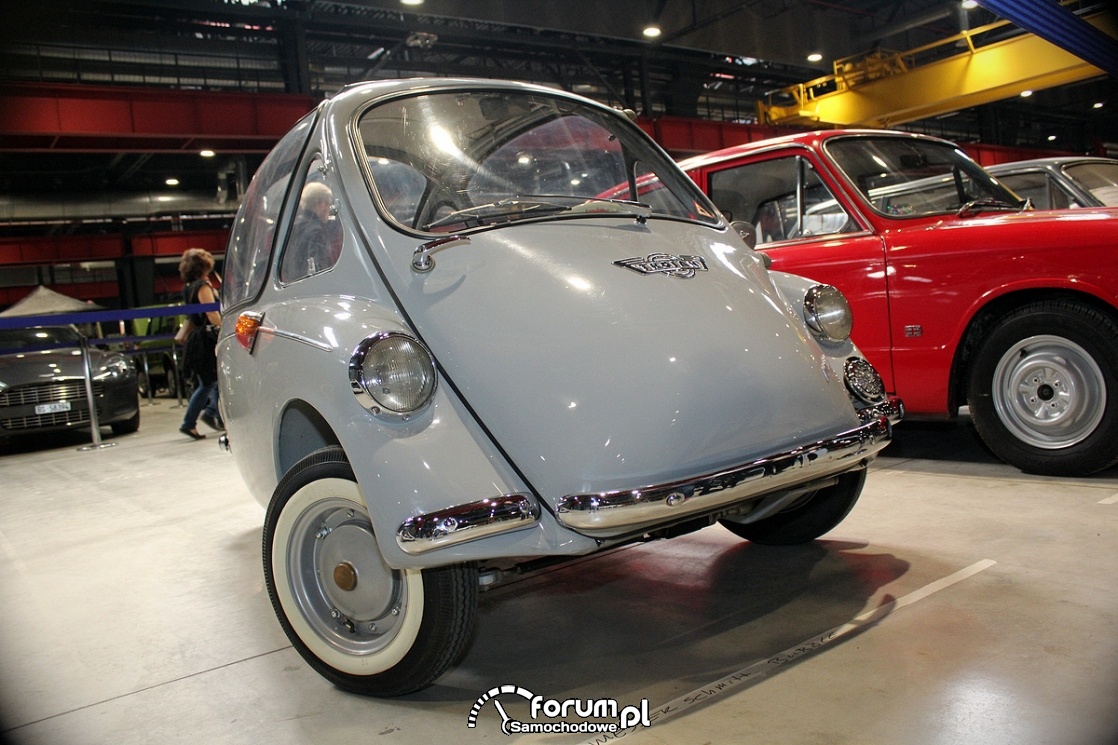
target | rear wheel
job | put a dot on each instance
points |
(1043, 386)
(171, 377)
(362, 625)
(807, 518)
(142, 385)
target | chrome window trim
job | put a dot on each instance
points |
(294, 337)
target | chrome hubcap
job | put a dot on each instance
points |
(348, 595)
(1049, 392)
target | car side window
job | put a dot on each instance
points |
(314, 242)
(1099, 178)
(1041, 190)
(253, 233)
(783, 198)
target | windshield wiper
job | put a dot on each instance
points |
(987, 204)
(500, 211)
(531, 206)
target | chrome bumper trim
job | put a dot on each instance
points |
(613, 513)
(892, 409)
(466, 522)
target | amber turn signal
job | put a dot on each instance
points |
(248, 324)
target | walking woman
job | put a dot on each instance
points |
(199, 349)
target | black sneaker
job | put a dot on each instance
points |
(212, 422)
(191, 433)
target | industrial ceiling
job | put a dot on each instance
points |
(713, 60)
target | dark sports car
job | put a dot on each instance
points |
(42, 383)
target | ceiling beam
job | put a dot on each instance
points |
(85, 118)
(899, 92)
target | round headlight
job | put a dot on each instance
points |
(863, 381)
(393, 373)
(827, 313)
(116, 367)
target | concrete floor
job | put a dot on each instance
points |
(960, 602)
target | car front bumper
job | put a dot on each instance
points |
(63, 404)
(609, 514)
(615, 513)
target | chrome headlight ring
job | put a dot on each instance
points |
(392, 374)
(863, 380)
(827, 313)
(116, 367)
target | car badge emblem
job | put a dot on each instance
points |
(683, 267)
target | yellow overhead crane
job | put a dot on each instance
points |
(883, 89)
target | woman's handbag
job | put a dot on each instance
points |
(184, 332)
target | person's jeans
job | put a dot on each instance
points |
(203, 398)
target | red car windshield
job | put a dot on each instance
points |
(911, 177)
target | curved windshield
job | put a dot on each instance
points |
(458, 161)
(34, 338)
(914, 177)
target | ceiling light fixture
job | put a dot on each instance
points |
(411, 2)
(651, 31)
(172, 182)
(969, 4)
(1051, 138)
(815, 57)
(1097, 105)
(1026, 94)
(207, 153)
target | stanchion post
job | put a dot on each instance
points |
(177, 374)
(94, 427)
(147, 377)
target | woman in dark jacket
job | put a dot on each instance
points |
(200, 357)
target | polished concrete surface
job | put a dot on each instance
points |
(960, 602)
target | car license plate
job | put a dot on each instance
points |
(52, 408)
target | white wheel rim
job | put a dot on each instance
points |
(324, 533)
(1049, 392)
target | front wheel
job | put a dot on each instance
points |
(1042, 389)
(807, 518)
(128, 426)
(362, 625)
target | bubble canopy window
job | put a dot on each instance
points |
(465, 160)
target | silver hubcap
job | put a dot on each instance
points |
(343, 589)
(1048, 392)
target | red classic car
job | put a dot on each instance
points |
(961, 295)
